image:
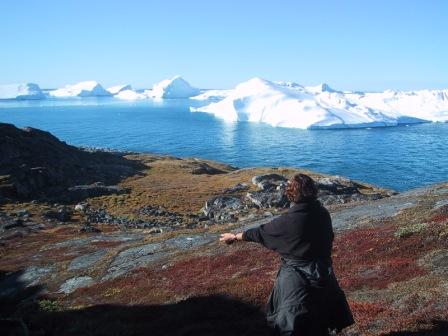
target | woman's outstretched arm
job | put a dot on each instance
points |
(270, 235)
(229, 238)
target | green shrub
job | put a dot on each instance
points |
(48, 305)
(409, 230)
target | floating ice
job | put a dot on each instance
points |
(119, 88)
(130, 95)
(290, 104)
(176, 87)
(21, 91)
(82, 89)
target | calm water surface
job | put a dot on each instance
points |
(397, 157)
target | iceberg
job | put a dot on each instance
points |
(21, 91)
(208, 96)
(212, 95)
(173, 88)
(323, 87)
(82, 89)
(429, 105)
(118, 88)
(130, 95)
(288, 104)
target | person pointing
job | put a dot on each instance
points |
(306, 298)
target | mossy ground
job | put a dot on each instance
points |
(379, 265)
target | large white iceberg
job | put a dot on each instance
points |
(21, 91)
(430, 105)
(82, 89)
(290, 104)
(119, 88)
(175, 87)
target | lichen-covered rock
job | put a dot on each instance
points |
(100, 215)
(18, 226)
(339, 190)
(329, 199)
(86, 260)
(337, 185)
(236, 188)
(132, 258)
(269, 199)
(271, 193)
(269, 181)
(73, 284)
(223, 208)
(62, 214)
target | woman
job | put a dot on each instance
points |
(306, 298)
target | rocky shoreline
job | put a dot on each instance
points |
(49, 175)
(126, 217)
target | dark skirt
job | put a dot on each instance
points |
(306, 300)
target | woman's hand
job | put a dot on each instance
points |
(228, 238)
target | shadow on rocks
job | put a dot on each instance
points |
(208, 315)
(15, 291)
(36, 165)
(25, 312)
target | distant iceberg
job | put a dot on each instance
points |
(173, 88)
(207, 97)
(119, 88)
(289, 104)
(212, 95)
(130, 95)
(430, 105)
(82, 89)
(21, 91)
(283, 104)
(323, 87)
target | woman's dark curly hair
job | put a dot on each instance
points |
(301, 188)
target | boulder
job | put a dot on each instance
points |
(269, 181)
(337, 185)
(80, 207)
(339, 190)
(93, 190)
(271, 193)
(269, 199)
(204, 168)
(223, 208)
(63, 214)
(236, 188)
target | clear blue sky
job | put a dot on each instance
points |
(365, 45)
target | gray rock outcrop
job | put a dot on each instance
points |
(35, 164)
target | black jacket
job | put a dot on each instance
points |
(306, 297)
(304, 233)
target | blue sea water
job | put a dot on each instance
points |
(400, 158)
